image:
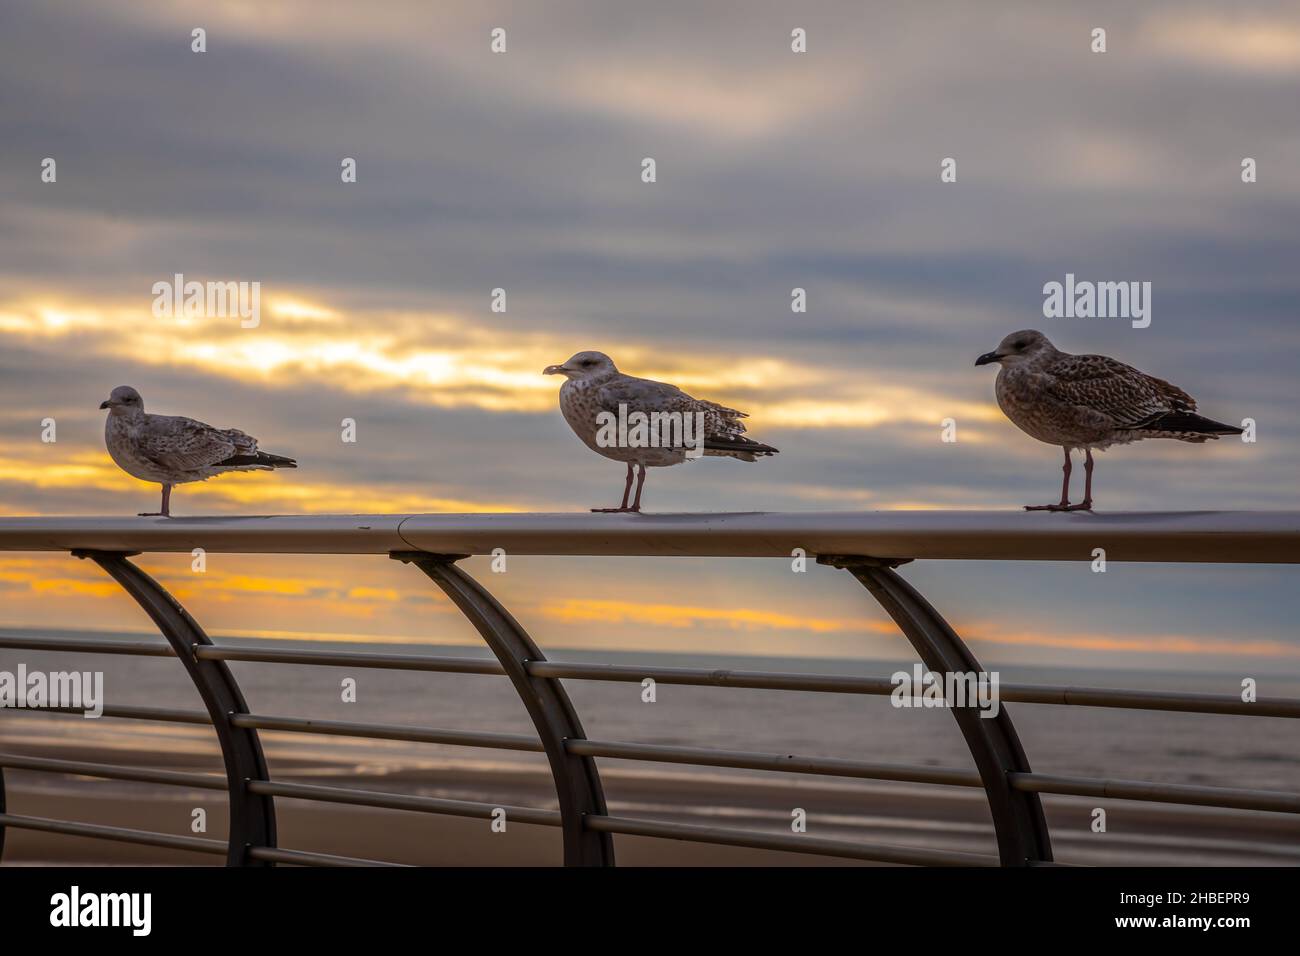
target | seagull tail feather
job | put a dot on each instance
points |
(259, 460)
(1188, 426)
(738, 446)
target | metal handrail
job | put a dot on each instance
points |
(754, 839)
(1055, 694)
(434, 543)
(120, 834)
(1229, 537)
(275, 854)
(402, 801)
(172, 778)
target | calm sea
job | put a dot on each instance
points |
(1226, 751)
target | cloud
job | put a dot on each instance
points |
(454, 362)
(1249, 43)
(777, 170)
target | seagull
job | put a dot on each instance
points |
(1088, 401)
(172, 449)
(596, 395)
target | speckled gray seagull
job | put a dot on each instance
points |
(172, 449)
(594, 385)
(1089, 401)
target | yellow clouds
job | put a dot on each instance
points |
(1248, 44)
(686, 616)
(881, 404)
(245, 490)
(1142, 643)
(749, 619)
(268, 589)
(281, 593)
(299, 340)
(43, 319)
(46, 467)
(450, 361)
(301, 311)
(54, 577)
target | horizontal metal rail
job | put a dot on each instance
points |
(1053, 694)
(119, 834)
(402, 662)
(655, 753)
(1149, 700)
(1062, 694)
(273, 854)
(170, 715)
(525, 815)
(401, 801)
(1221, 797)
(426, 735)
(128, 648)
(706, 677)
(368, 798)
(780, 763)
(1245, 537)
(1274, 801)
(759, 840)
(172, 778)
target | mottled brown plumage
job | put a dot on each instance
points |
(594, 387)
(1089, 402)
(172, 449)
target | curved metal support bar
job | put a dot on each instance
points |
(1021, 828)
(3, 810)
(577, 782)
(252, 816)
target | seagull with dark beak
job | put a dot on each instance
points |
(596, 392)
(172, 449)
(1088, 402)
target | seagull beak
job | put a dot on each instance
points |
(104, 405)
(987, 357)
(553, 370)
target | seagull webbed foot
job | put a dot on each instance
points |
(1063, 506)
(612, 511)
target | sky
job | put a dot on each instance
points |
(775, 170)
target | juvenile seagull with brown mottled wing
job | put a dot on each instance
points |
(595, 385)
(172, 449)
(1089, 401)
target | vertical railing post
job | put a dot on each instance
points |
(577, 781)
(1018, 820)
(252, 816)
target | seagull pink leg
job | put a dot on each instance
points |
(1086, 504)
(1065, 487)
(627, 489)
(166, 505)
(640, 483)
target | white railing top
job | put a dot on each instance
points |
(1197, 536)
